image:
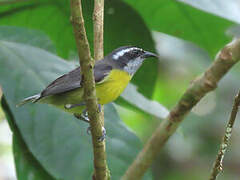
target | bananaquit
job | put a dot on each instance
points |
(112, 74)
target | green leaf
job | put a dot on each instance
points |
(226, 9)
(56, 139)
(122, 26)
(133, 97)
(27, 168)
(51, 17)
(181, 20)
(26, 36)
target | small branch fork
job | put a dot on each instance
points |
(100, 164)
(218, 164)
(203, 84)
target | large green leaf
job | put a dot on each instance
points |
(122, 26)
(57, 140)
(132, 96)
(226, 9)
(181, 20)
(27, 168)
(50, 17)
(26, 36)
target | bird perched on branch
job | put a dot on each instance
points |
(112, 74)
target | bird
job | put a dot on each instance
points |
(112, 75)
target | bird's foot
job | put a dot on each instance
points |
(83, 116)
(101, 138)
(99, 108)
(104, 134)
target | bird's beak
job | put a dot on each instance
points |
(149, 54)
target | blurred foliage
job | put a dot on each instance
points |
(229, 10)
(187, 34)
(1, 112)
(46, 15)
(27, 167)
(180, 20)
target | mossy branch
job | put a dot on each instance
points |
(206, 82)
(218, 164)
(87, 64)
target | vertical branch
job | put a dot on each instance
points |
(98, 24)
(218, 164)
(98, 15)
(87, 64)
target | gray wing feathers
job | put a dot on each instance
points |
(72, 80)
(64, 83)
(101, 71)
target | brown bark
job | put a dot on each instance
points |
(87, 64)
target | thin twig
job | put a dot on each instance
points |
(87, 64)
(218, 164)
(225, 59)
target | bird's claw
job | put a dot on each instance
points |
(104, 133)
(89, 130)
(82, 117)
(100, 139)
(99, 108)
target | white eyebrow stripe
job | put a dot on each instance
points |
(122, 52)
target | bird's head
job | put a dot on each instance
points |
(129, 58)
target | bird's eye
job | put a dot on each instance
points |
(136, 53)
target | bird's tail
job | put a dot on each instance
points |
(31, 99)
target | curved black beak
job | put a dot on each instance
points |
(149, 54)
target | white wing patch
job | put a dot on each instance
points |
(122, 52)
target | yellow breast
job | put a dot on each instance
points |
(114, 84)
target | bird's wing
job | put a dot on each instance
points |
(72, 80)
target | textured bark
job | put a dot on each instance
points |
(98, 15)
(218, 164)
(198, 88)
(87, 64)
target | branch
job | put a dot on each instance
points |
(98, 29)
(87, 64)
(206, 82)
(218, 167)
(98, 15)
